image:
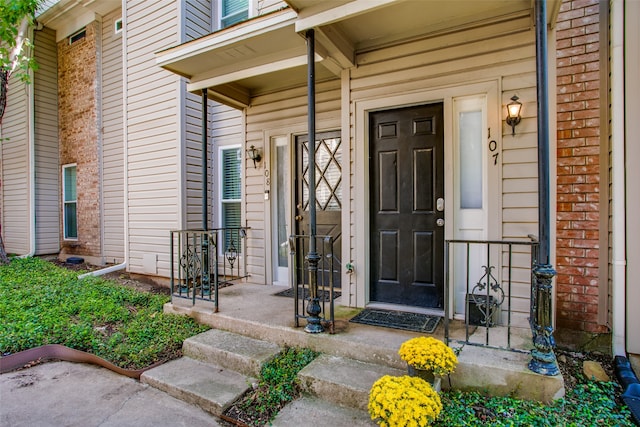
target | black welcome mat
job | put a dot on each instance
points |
(415, 322)
(304, 292)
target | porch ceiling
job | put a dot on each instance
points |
(268, 53)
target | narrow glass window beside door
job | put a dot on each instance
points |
(471, 160)
(69, 202)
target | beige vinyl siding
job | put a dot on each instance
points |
(47, 169)
(153, 131)
(504, 52)
(15, 169)
(193, 160)
(198, 14)
(287, 112)
(112, 140)
(225, 129)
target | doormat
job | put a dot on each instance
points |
(322, 295)
(415, 322)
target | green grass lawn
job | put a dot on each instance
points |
(41, 303)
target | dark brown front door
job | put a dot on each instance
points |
(407, 178)
(328, 197)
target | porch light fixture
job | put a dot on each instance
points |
(513, 113)
(253, 153)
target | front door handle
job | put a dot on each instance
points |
(440, 222)
(298, 217)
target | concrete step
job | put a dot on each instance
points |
(343, 381)
(231, 351)
(310, 411)
(211, 387)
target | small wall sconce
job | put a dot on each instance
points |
(513, 113)
(253, 153)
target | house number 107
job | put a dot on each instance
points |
(493, 146)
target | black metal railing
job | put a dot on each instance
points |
(327, 271)
(498, 290)
(203, 261)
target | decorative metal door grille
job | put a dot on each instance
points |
(328, 175)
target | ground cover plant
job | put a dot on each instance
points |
(41, 303)
(276, 386)
(586, 403)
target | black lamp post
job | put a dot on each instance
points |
(314, 324)
(543, 360)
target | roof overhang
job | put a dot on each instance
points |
(68, 16)
(268, 53)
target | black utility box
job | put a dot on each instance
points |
(479, 312)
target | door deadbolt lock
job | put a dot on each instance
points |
(439, 222)
(440, 204)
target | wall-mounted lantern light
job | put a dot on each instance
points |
(513, 113)
(253, 153)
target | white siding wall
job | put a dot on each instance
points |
(112, 140)
(153, 130)
(286, 112)
(15, 170)
(47, 169)
(503, 52)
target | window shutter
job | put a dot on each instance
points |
(234, 11)
(231, 179)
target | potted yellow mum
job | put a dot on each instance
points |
(403, 401)
(428, 358)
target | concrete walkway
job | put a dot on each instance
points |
(75, 394)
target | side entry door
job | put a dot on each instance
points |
(328, 158)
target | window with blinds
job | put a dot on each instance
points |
(69, 202)
(233, 11)
(231, 192)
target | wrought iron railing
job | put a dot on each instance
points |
(495, 281)
(327, 272)
(203, 261)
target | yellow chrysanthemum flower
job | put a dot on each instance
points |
(430, 354)
(403, 401)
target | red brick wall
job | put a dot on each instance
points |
(578, 87)
(78, 133)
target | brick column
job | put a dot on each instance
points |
(578, 85)
(78, 134)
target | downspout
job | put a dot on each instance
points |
(100, 272)
(32, 157)
(618, 220)
(125, 142)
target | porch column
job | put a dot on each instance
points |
(313, 308)
(543, 359)
(205, 199)
(205, 177)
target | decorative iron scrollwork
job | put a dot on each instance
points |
(487, 304)
(191, 266)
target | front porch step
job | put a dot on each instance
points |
(343, 381)
(310, 411)
(211, 387)
(231, 351)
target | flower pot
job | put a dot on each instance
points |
(427, 375)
